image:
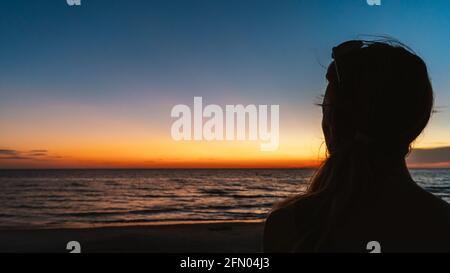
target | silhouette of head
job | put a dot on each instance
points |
(379, 96)
(378, 101)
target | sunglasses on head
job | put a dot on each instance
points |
(340, 51)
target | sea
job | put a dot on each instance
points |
(37, 199)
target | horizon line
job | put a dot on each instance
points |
(198, 168)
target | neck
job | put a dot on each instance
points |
(392, 167)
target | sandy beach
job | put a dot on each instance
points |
(229, 237)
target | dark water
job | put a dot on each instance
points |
(82, 198)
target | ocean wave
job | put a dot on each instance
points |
(74, 198)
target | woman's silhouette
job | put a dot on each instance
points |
(378, 100)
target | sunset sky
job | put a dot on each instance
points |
(93, 86)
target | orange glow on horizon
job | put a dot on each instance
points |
(92, 143)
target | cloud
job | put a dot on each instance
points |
(14, 158)
(8, 152)
(38, 154)
(39, 151)
(430, 156)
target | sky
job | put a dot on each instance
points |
(93, 86)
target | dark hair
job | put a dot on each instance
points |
(378, 100)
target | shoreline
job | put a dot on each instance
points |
(132, 225)
(223, 236)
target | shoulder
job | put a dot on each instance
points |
(420, 219)
(430, 204)
(278, 230)
(281, 226)
(417, 215)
